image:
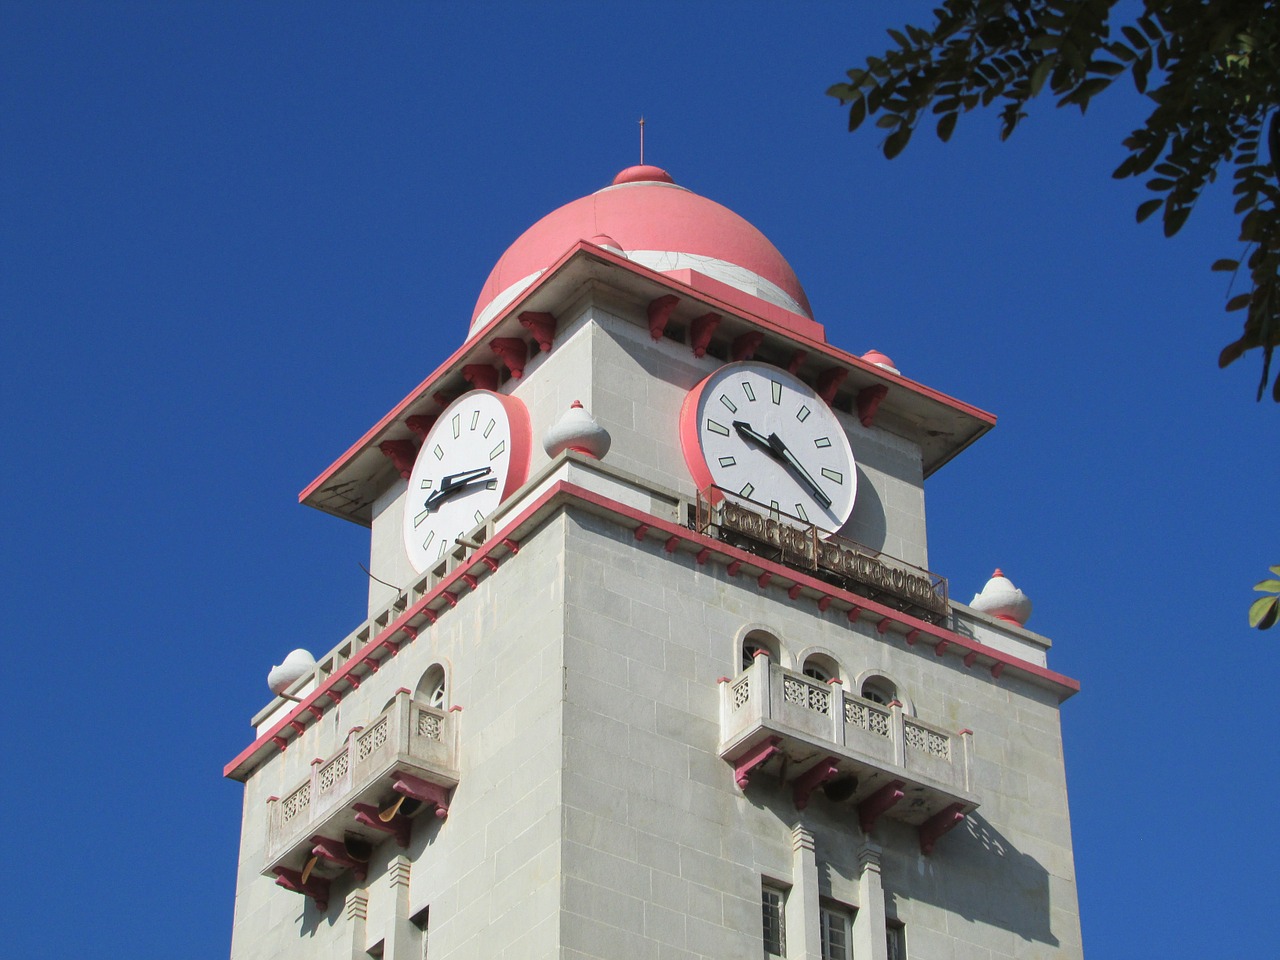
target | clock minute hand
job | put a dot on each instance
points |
(784, 453)
(746, 432)
(454, 483)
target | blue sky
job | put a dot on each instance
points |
(234, 235)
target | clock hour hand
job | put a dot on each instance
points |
(454, 483)
(747, 433)
(784, 454)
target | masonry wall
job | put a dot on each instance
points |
(489, 874)
(634, 386)
(664, 856)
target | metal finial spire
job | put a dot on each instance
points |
(642, 141)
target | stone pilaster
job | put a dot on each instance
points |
(803, 941)
(869, 923)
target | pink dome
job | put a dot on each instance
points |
(657, 224)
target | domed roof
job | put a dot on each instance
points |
(654, 222)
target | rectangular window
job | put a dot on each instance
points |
(772, 901)
(836, 924)
(896, 940)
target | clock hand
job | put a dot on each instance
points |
(454, 483)
(784, 453)
(747, 433)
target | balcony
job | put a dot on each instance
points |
(403, 763)
(811, 734)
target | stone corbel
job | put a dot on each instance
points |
(869, 402)
(700, 332)
(936, 826)
(804, 785)
(482, 376)
(755, 757)
(542, 326)
(398, 825)
(317, 888)
(870, 809)
(401, 453)
(513, 352)
(659, 313)
(421, 423)
(336, 851)
(424, 790)
(745, 346)
(829, 382)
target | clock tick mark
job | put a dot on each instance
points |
(497, 451)
(822, 442)
(834, 475)
(457, 425)
(776, 387)
(719, 428)
(747, 490)
(747, 389)
(489, 429)
(728, 403)
(475, 418)
(728, 461)
(800, 512)
(439, 452)
(803, 414)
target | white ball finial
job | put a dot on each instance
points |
(1002, 600)
(577, 430)
(284, 675)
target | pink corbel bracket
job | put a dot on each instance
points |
(829, 382)
(883, 626)
(797, 360)
(333, 695)
(853, 614)
(970, 658)
(471, 580)
(542, 326)
(671, 544)
(298, 728)
(733, 568)
(411, 632)
(997, 669)
(281, 742)
(449, 598)
(912, 637)
(491, 563)
(745, 346)
(794, 591)
(430, 614)
(401, 453)
(870, 809)
(511, 545)
(421, 423)
(762, 581)
(936, 826)
(703, 555)
(315, 711)
(941, 647)
(641, 531)
(513, 352)
(335, 851)
(823, 603)
(317, 888)
(804, 785)
(755, 757)
(701, 330)
(659, 313)
(444, 397)
(482, 376)
(398, 826)
(869, 402)
(424, 790)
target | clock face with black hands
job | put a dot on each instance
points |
(756, 431)
(475, 455)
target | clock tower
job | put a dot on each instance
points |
(654, 665)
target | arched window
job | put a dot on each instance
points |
(879, 689)
(822, 668)
(431, 688)
(757, 641)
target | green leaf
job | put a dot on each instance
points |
(1147, 208)
(1174, 219)
(1267, 586)
(1225, 266)
(1041, 73)
(1239, 301)
(1263, 612)
(857, 113)
(1275, 569)
(894, 143)
(946, 125)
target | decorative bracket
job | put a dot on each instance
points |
(700, 331)
(542, 326)
(870, 809)
(937, 825)
(745, 346)
(421, 423)
(659, 313)
(756, 756)
(398, 826)
(336, 851)
(317, 888)
(797, 358)
(401, 453)
(513, 352)
(482, 376)
(829, 382)
(869, 402)
(444, 397)
(424, 790)
(804, 785)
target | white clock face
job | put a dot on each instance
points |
(473, 457)
(756, 431)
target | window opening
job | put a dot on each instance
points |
(879, 690)
(836, 925)
(431, 687)
(772, 901)
(896, 941)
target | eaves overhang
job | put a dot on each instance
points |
(941, 425)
